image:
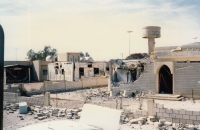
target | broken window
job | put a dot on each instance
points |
(44, 72)
(81, 72)
(62, 71)
(89, 65)
(96, 71)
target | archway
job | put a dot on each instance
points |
(165, 80)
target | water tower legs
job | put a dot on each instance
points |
(151, 43)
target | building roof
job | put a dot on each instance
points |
(16, 65)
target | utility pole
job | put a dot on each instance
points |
(122, 55)
(195, 38)
(129, 39)
(1, 75)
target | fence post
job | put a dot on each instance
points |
(47, 99)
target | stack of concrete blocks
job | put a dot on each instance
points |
(146, 81)
(177, 116)
(23, 108)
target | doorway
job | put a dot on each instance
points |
(165, 80)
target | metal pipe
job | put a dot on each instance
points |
(1, 75)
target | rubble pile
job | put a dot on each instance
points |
(41, 113)
(137, 56)
(136, 123)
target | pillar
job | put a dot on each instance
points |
(110, 77)
(151, 43)
(47, 99)
(150, 105)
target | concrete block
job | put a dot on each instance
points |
(182, 111)
(160, 105)
(195, 113)
(175, 120)
(193, 117)
(150, 107)
(179, 116)
(163, 110)
(159, 114)
(114, 92)
(166, 114)
(176, 111)
(184, 121)
(127, 93)
(189, 121)
(168, 119)
(196, 122)
(172, 115)
(186, 117)
(156, 110)
(198, 118)
(23, 108)
(188, 113)
(168, 110)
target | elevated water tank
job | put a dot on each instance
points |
(151, 32)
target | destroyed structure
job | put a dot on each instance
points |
(168, 70)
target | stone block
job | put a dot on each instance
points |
(175, 120)
(189, 121)
(127, 93)
(160, 105)
(166, 114)
(172, 115)
(186, 117)
(179, 116)
(163, 110)
(195, 113)
(159, 114)
(176, 111)
(169, 111)
(193, 117)
(182, 112)
(23, 108)
(168, 119)
(196, 122)
(184, 121)
(188, 113)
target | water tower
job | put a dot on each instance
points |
(151, 32)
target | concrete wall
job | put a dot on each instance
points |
(69, 56)
(14, 98)
(38, 88)
(146, 81)
(186, 77)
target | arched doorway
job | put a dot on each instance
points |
(165, 80)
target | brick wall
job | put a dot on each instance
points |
(146, 81)
(14, 98)
(177, 116)
(186, 77)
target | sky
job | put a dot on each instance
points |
(98, 27)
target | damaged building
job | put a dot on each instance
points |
(74, 70)
(168, 70)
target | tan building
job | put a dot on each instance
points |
(69, 56)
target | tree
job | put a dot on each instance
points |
(82, 55)
(87, 54)
(41, 55)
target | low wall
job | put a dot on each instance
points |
(14, 98)
(177, 116)
(50, 86)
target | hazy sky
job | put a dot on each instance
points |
(96, 26)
